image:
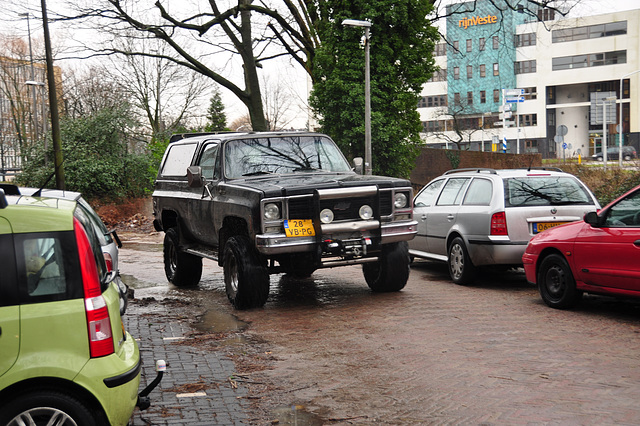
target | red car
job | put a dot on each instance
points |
(600, 254)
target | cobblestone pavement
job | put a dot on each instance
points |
(327, 351)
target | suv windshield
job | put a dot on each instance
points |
(281, 155)
(544, 191)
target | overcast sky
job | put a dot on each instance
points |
(284, 71)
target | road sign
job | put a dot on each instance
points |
(513, 92)
(562, 130)
(506, 114)
(514, 99)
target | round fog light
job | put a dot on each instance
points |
(326, 216)
(366, 212)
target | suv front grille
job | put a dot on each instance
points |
(346, 208)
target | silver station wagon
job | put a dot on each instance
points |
(480, 217)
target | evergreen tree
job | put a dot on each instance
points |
(217, 119)
(401, 58)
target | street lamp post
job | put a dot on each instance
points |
(620, 118)
(367, 91)
(33, 77)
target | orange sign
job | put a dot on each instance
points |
(477, 20)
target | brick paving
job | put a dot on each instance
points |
(435, 353)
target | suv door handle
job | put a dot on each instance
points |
(423, 217)
(451, 217)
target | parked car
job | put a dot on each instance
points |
(628, 153)
(65, 357)
(596, 255)
(485, 217)
(109, 241)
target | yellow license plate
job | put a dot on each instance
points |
(299, 228)
(543, 226)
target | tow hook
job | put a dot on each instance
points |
(143, 399)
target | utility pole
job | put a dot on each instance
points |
(53, 103)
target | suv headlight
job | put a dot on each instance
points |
(400, 200)
(271, 211)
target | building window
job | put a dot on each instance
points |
(496, 69)
(481, 43)
(530, 146)
(456, 46)
(524, 67)
(432, 101)
(469, 45)
(441, 49)
(456, 98)
(496, 42)
(528, 39)
(527, 120)
(483, 97)
(546, 14)
(439, 75)
(590, 60)
(496, 96)
(483, 70)
(469, 71)
(469, 98)
(589, 31)
(456, 73)
(530, 93)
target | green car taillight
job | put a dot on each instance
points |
(98, 322)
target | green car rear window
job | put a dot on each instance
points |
(47, 267)
(544, 191)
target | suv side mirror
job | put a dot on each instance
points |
(592, 219)
(358, 165)
(194, 176)
(3, 200)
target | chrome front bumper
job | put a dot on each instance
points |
(390, 232)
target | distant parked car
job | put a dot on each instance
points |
(628, 153)
(481, 217)
(109, 241)
(596, 255)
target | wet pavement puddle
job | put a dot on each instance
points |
(296, 415)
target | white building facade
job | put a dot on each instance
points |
(563, 76)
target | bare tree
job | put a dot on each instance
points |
(165, 92)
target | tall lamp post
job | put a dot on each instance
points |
(33, 77)
(367, 91)
(620, 118)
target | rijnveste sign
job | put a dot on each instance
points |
(477, 20)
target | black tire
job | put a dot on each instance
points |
(42, 406)
(556, 283)
(246, 279)
(391, 272)
(182, 269)
(461, 268)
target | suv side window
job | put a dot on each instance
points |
(177, 160)
(48, 267)
(208, 162)
(479, 193)
(427, 195)
(453, 191)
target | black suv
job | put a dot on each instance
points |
(263, 203)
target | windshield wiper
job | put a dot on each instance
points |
(262, 172)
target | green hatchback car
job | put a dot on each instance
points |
(65, 357)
